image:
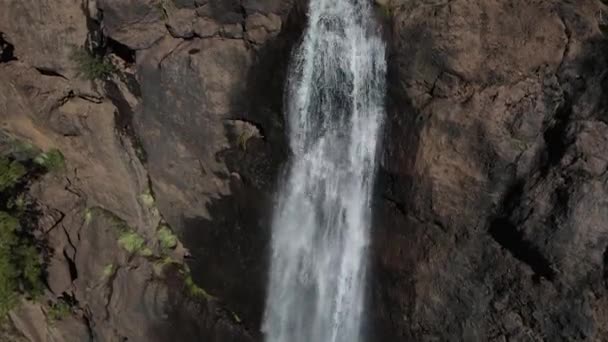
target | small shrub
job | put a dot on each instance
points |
(17, 204)
(8, 285)
(131, 242)
(134, 243)
(20, 266)
(23, 149)
(146, 252)
(30, 268)
(59, 311)
(92, 67)
(167, 239)
(11, 172)
(52, 160)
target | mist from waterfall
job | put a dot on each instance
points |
(321, 226)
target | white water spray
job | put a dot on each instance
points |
(321, 225)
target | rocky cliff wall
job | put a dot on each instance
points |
(491, 205)
(491, 217)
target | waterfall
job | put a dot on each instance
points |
(321, 225)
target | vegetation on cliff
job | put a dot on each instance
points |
(91, 66)
(20, 263)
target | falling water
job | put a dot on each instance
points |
(321, 225)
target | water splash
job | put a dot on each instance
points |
(321, 225)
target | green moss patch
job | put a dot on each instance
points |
(167, 239)
(134, 243)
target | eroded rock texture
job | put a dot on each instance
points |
(176, 136)
(491, 204)
(492, 223)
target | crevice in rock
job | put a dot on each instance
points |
(507, 234)
(162, 59)
(568, 35)
(90, 98)
(122, 51)
(396, 204)
(95, 37)
(50, 73)
(89, 324)
(124, 119)
(509, 237)
(555, 137)
(561, 201)
(72, 266)
(7, 50)
(110, 284)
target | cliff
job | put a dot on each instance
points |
(153, 224)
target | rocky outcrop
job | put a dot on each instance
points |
(173, 132)
(492, 220)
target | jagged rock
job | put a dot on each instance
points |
(260, 27)
(134, 23)
(489, 225)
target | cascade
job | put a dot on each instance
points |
(321, 224)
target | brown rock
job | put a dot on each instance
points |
(260, 28)
(45, 34)
(232, 31)
(205, 28)
(136, 24)
(180, 23)
(488, 190)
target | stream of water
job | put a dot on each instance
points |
(321, 225)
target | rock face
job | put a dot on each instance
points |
(491, 204)
(491, 225)
(177, 133)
